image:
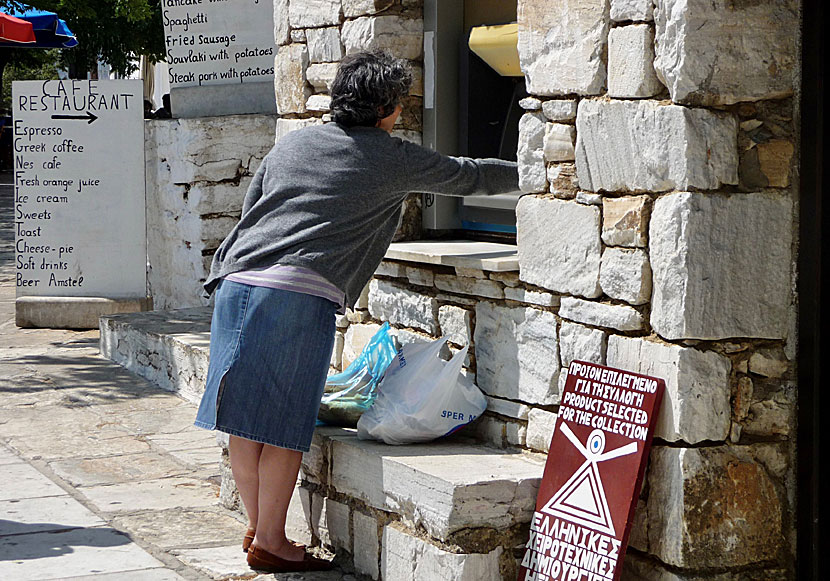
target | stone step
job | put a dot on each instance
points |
(168, 348)
(450, 509)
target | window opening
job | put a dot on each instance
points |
(470, 108)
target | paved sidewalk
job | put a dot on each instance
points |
(102, 475)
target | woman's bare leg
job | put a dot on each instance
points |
(245, 457)
(278, 469)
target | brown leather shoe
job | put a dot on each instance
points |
(261, 560)
(248, 539)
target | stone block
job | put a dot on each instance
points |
(540, 425)
(357, 335)
(631, 62)
(282, 27)
(290, 78)
(517, 353)
(637, 10)
(488, 430)
(298, 35)
(695, 405)
(711, 507)
(286, 126)
(559, 109)
(721, 266)
(318, 103)
(441, 487)
(559, 245)
(353, 8)
(407, 558)
(768, 364)
(313, 13)
(563, 181)
(515, 434)
(72, 312)
(573, 63)
(392, 269)
(399, 306)
(530, 154)
(775, 159)
(588, 198)
(626, 275)
(366, 544)
(649, 146)
(401, 37)
(363, 300)
(625, 221)
(505, 407)
(559, 142)
(530, 104)
(420, 276)
(722, 52)
(470, 272)
(324, 45)
(522, 295)
(298, 520)
(579, 343)
(510, 279)
(456, 324)
(321, 76)
(617, 317)
(773, 416)
(337, 351)
(330, 522)
(469, 286)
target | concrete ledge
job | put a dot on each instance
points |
(489, 256)
(443, 487)
(73, 312)
(168, 348)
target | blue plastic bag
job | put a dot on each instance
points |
(350, 393)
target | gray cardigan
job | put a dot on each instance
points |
(328, 198)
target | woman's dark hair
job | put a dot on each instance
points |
(367, 87)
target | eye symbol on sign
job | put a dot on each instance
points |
(596, 442)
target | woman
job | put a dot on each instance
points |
(316, 221)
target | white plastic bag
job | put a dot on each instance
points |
(421, 397)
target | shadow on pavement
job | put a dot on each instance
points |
(27, 541)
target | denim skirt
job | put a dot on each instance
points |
(269, 357)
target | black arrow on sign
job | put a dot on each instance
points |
(89, 117)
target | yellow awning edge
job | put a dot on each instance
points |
(498, 47)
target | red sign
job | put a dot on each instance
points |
(593, 474)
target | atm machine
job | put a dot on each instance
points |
(472, 88)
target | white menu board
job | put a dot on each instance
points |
(218, 42)
(79, 188)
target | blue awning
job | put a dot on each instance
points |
(50, 31)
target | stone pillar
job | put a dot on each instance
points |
(672, 251)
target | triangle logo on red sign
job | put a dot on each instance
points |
(582, 500)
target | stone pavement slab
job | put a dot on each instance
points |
(186, 528)
(20, 481)
(6, 457)
(70, 553)
(52, 513)
(218, 562)
(158, 494)
(114, 469)
(138, 575)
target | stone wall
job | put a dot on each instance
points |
(197, 173)
(658, 151)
